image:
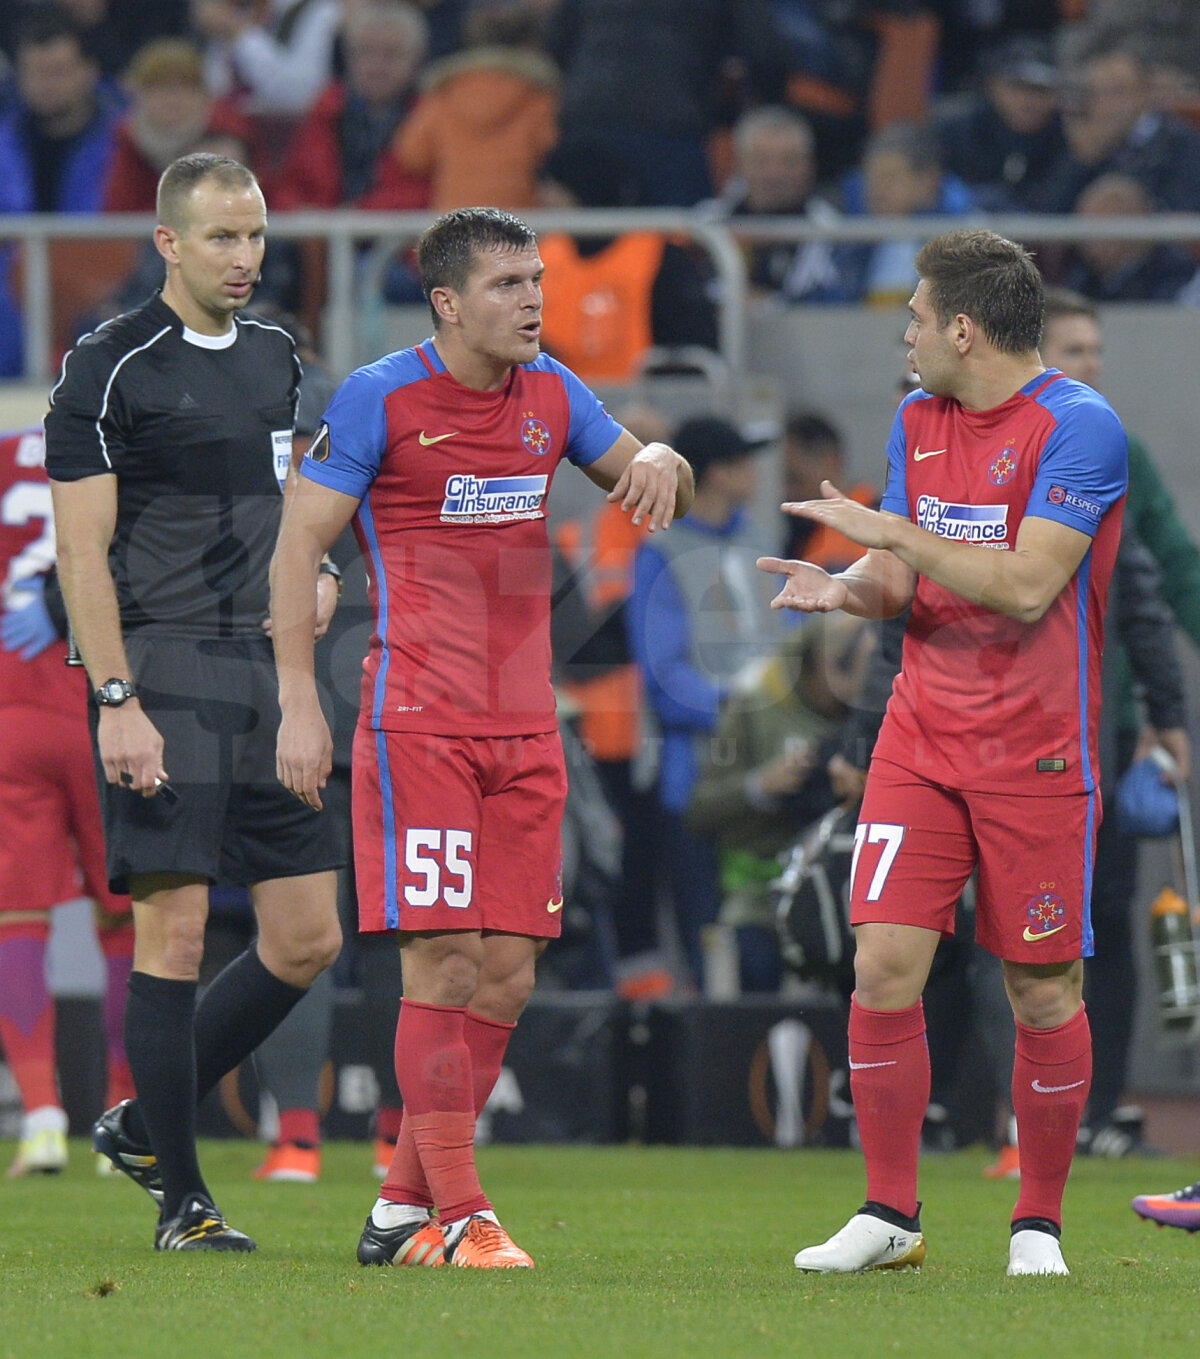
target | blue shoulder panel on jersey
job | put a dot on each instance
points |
(593, 431)
(895, 492)
(1084, 467)
(347, 458)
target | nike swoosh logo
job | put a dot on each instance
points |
(1054, 1089)
(1031, 938)
(918, 456)
(425, 440)
(553, 906)
(862, 1066)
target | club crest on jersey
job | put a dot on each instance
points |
(963, 523)
(535, 435)
(492, 500)
(318, 450)
(1060, 495)
(1046, 913)
(1001, 472)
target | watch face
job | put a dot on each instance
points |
(114, 692)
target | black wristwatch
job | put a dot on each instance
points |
(330, 568)
(113, 692)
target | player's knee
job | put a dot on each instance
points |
(885, 982)
(1043, 1002)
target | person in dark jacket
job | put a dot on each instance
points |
(644, 79)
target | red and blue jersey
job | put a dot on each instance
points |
(452, 484)
(27, 549)
(984, 701)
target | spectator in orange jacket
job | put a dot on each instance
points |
(486, 118)
(171, 113)
(341, 153)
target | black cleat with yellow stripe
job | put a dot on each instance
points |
(200, 1226)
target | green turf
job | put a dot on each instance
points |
(641, 1253)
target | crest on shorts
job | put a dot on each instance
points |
(1047, 913)
(535, 435)
(1001, 472)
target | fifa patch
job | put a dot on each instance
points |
(1046, 914)
(492, 500)
(1002, 471)
(536, 436)
(963, 523)
(1060, 495)
(318, 450)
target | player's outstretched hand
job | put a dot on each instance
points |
(649, 485)
(304, 753)
(131, 749)
(808, 588)
(859, 523)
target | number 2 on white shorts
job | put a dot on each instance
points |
(877, 833)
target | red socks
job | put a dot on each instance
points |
(486, 1041)
(433, 1071)
(889, 1081)
(27, 1013)
(1052, 1074)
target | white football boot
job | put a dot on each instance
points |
(865, 1242)
(1034, 1252)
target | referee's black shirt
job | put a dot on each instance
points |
(198, 431)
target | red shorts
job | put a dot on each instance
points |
(459, 832)
(918, 842)
(51, 843)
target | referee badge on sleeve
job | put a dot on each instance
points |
(318, 450)
(281, 445)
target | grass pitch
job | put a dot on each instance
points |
(642, 1253)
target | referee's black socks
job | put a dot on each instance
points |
(159, 1015)
(241, 1006)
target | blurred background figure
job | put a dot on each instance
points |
(271, 56)
(341, 153)
(774, 174)
(1112, 124)
(1126, 271)
(698, 614)
(646, 82)
(902, 175)
(1003, 137)
(814, 451)
(613, 297)
(486, 116)
(56, 141)
(764, 776)
(51, 842)
(170, 113)
(112, 30)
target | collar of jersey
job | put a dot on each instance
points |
(211, 341)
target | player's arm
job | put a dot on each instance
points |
(651, 479)
(878, 585)
(314, 517)
(1021, 584)
(85, 516)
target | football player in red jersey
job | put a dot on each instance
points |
(51, 843)
(1000, 523)
(443, 456)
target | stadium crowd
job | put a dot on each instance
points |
(731, 110)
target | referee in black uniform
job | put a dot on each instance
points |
(169, 444)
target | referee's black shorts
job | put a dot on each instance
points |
(215, 702)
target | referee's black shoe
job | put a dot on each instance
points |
(110, 1139)
(200, 1226)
